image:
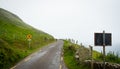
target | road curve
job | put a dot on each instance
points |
(48, 57)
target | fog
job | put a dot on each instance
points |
(75, 19)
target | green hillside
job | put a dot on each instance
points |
(13, 41)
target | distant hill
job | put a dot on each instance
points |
(13, 41)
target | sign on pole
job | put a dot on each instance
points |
(103, 39)
(99, 39)
(29, 36)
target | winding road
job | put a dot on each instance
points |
(49, 57)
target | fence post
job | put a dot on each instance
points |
(91, 49)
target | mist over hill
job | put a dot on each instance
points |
(13, 39)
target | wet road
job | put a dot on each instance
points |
(48, 57)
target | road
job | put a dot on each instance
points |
(48, 57)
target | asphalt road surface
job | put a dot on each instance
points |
(48, 57)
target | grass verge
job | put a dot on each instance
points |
(13, 41)
(69, 58)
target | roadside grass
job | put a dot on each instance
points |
(96, 54)
(69, 58)
(13, 42)
(110, 57)
(70, 49)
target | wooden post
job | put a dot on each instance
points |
(91, 49)
(81, 44)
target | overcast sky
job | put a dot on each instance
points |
(77, 19)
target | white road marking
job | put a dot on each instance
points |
(61, 58)
(51, 46)
(13, 67)
(27, 59)
(60, 66)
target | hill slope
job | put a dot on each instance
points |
(13, 41)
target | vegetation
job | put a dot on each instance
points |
(69, 50)
(110, 57)
(13, 41)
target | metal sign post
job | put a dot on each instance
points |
(103, 39)
(29, 36)
(29, 42)
(103, 49)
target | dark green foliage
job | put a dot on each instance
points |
(13, 41)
